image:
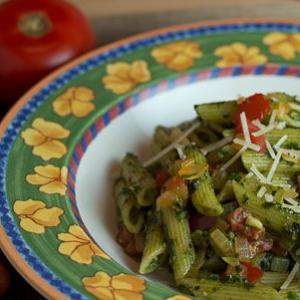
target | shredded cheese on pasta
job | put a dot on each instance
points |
(268, 197)
(270, 149)
(258, 124)
(280, 142)
(249, 175)
(281, 125)
(247, 144)
(261, 192)
(163, 152)
(272, 124)
(259, 175)
(290, 277)
(216, 145)
(233, 158)
(274, 165)
(179, 149)
(245, 127)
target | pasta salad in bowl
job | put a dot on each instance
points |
(218, 204)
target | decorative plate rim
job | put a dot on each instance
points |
(6, 244)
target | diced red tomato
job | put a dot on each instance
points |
(161, 177)
(258, 140)
(178, 186)
(127, 241)
(198, 221)
(278, 250)
(174, 182)
(253, 234)
(255, 107)
(237, 221)
(253, 274)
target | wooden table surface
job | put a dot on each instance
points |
(115, 19)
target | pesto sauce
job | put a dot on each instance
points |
(293, 296)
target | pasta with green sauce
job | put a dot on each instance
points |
(217, 205)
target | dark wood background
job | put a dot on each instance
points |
(115, 19)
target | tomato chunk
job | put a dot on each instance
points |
(256, 106)
(178, 186)
(253, 274)
(160, 179)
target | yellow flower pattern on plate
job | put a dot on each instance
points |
(178, 56)
(117, 287)
(239, 54)
(179, 297)
(51, 179)
(44, 137)
(283, 44)
(78, 246)
(76, 101)
(35, 217)
(122, 77)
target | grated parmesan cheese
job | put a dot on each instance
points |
(281, 125)
(261, 192)
(273, 116)
(258, 124)
(268, 197)
(272, 124)
(249, 175)
(292, 201)
(216, 145)
(290, 277)
(259, 175)
(274, 99)
(274, 165)
(171, 146)
(270, 149)
(248, 145)
(294, 106)
(264, 130)
(179, 149)
(245, 127)
(282, 185)
(280, 142)
(233, 158)
(291, 207)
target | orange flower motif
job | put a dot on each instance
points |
(35, 217)
(78, 246)
(76, 101)
(178, 56)
(44, 137)
(52, 179)
(239, 54)
(117, 287)
(123, 77)
(283, 44)
(179, 297)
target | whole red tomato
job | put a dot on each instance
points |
(37, 36)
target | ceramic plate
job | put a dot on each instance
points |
(62, 141)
